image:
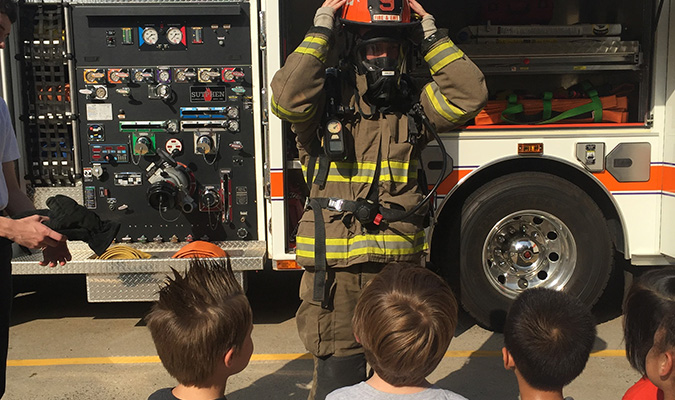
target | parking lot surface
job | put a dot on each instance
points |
(62, 347)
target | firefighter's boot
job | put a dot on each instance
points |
(332, 373)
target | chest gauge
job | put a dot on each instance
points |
(150, 36)
(174, 35)
(334, 126)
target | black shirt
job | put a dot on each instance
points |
(165, 394)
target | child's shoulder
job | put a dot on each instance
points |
(434, 392)
(163, 394)
(364, 391)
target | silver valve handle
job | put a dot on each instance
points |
(124, 91)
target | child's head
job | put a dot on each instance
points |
(405, 319)
(549, 336)
(202, 320)
(649, 321)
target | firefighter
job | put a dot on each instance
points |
(359, 140)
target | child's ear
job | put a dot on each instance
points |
(666, 364)
(228, 357)
(357, 339)
(508, 359)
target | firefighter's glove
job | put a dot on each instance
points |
(324, 17)
(77, 223)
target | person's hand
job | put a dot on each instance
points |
(56, 255)
(334, 4)
(32, 233)
(417, 7)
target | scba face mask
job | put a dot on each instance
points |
(381, 61)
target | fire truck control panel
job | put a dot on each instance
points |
(166, 120)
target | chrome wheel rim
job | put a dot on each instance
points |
(527, 249)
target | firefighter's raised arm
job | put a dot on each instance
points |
(297, 88)
(457, 92)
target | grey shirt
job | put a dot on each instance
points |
(366, 392)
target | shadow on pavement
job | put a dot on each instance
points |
(483, 377)
(289, 382)
(273, 296)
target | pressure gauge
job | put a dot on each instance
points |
(233, 126)
(174, 35)
(150, 35)
(334, 126)
(100, 92)
(232, 112)
(164, 76)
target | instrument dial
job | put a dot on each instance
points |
(164, 76)
(150, 35)
(174, 35)
(232, 112)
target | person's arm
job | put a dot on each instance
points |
(30, 231)
(458, 91)
(297, 88)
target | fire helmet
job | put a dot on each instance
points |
(389, 13)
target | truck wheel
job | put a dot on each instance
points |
(527, 230)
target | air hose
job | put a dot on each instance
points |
(419, 111)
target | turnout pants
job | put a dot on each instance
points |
(326, 330)
(6, 296)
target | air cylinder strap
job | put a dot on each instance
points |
(320, 262)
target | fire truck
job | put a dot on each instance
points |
(156, 115)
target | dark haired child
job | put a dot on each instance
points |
(548, 337)
(649, 333)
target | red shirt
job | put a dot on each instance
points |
(643, 389)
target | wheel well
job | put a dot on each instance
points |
(451, 208)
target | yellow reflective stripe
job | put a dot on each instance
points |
(442, 105)
(380, 244)
(442, 55)
(292, 116)
(346, 172)
(388, 238)
(361, 166)
(315, 46)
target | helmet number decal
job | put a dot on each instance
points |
(387, 5)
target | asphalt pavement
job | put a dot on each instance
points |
(62, 347)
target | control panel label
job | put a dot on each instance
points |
(99, 112)
(205, 94)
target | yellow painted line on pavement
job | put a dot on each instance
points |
(43, 362)
(82, 361)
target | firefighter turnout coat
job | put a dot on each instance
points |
(454, 96)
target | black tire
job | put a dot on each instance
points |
(527, 230)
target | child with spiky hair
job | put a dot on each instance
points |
(201, 327)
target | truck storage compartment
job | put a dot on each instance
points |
(546, 61)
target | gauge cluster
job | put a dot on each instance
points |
(162, 37)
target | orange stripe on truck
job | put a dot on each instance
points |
(451, 180)
(661, 179)
(277, 184)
